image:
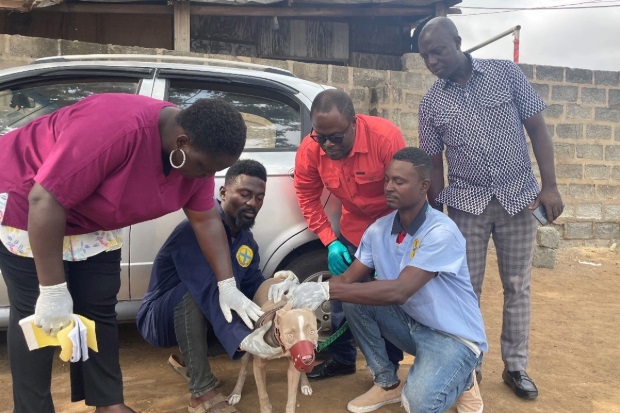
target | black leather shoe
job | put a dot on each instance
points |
(521, 384)
(330, 368)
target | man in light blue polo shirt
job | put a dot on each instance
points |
(422, 299)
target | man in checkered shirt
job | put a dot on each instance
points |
(477, 110)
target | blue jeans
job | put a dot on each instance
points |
(443, 365)
(342, 349)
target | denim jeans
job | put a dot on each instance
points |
(342, 349)
(191, 328)
(443, 365)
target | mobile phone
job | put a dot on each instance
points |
(541, 215)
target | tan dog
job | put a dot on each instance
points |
(292, 327)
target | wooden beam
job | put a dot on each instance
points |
(17, 5)
(300, 11)
(182, 25)
(251, 11)
(111, 8)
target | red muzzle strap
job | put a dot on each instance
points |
(302, 353)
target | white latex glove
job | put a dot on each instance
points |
(233, 299)
(277, 291)
(309, 295)
(53, 309)
(255, 343)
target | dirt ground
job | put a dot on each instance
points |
(575, 355)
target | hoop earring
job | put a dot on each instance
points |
(182, 163)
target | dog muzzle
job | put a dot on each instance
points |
(302, 353)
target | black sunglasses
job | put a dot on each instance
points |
(335, 138)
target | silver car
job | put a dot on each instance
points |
(275, 106)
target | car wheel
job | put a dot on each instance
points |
(309, 267)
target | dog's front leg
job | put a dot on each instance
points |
(235, 396)
(293, 381)
(306, 389)
(260, 375)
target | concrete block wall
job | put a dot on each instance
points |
(583, 117)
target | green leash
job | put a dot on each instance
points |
(322, 346)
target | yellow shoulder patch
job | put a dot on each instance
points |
(244, 255)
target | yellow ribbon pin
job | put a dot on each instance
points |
(416, 244)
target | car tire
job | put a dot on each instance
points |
(309, 267)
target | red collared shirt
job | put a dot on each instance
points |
(357, 180)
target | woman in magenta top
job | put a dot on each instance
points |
(69, 182)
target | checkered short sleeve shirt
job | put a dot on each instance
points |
(481, 127)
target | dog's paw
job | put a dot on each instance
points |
(306, 390)
(234, 398)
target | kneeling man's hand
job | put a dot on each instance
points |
(309, 295)
(277, 291)
(255, 343)
(233, 299)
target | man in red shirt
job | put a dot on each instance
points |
(347, 154)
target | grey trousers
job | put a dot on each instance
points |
(514, 238)
(196, 344)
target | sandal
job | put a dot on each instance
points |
(178, 365)
(208, 406)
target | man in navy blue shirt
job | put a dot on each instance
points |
(182, 306)
(477, 110)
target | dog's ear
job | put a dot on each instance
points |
(280, 313)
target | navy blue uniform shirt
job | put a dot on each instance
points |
(181, 267)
